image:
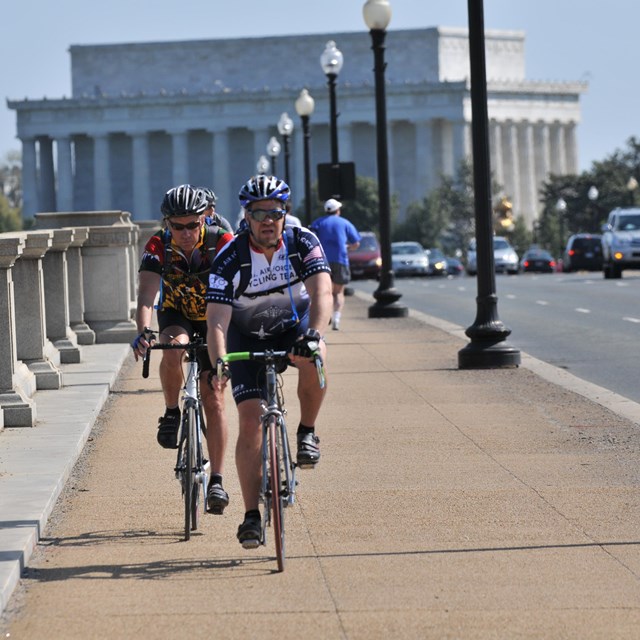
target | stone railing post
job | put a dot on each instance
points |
(84, 333)
(17, 383)
(56, 297)
(109, 266)
(32, 345)
(106, 269)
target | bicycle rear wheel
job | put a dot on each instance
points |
(277, 512)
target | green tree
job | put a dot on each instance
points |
(11, 179)
(10, 219)
(363, 211)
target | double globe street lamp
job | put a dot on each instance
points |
(273, 150)
(331, 62)
(377, 15)
(285, 129)
(305, 105)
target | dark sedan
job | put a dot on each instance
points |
(537, 260)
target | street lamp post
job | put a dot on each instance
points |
(377, 15)
(331, 62)
(262, 165)
(304, 108)
(285, 129)
(632, 185)
(561, 208)
(593, 194)
(273, 149)
(488, 347)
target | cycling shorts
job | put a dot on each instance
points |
(172, 318)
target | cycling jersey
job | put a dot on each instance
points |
(275, 299)
(184, 280)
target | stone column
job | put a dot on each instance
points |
(558, 151)
(528, 193)
(495, 149)
(180, 145)
(65, 174)
(107, 279)
(227, 204)
(445, 131)
(571, 147)
(17, 383)
(30, 200)
(260, 139)
(47, 176)
(83, 332)
(32, 345)
(512, 169)
(142, 209)
(426, 177)
(542, 152)
(101, 172)
(56, 296)
(461, 143)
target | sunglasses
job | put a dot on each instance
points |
(260, 215)
(179, 227)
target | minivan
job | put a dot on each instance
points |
(584, 251)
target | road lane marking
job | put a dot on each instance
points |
(580, 310)
(627, 319)
(544, 303)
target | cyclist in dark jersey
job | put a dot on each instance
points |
(285, 305)
(176, 263)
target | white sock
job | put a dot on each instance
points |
(336, 318)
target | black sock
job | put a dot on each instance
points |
(172, 412)
(254, 514)
(216, 478)
(304, 430)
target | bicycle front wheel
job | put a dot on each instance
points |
(275, 486)
(190, 489)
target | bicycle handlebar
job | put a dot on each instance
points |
(267, 357)
(189, 346)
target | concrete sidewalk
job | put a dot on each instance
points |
(448, 504)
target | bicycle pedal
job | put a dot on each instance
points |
(306, 465)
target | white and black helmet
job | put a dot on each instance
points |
(184, 200)
(210, 195)
(263, 187)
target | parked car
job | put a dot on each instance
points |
(409, 259)
(537, 260)
(454, 266)
(365, 261)
(621, 242)
(505, 257)
(437, 262)
(583, 251)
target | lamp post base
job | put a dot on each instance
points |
(485, 354)
(387, 305)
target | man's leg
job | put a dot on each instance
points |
(217, 433)
(338, 303)
(311, 397)
(171, 380)
(249, 465)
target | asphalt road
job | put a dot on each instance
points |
(577, 321)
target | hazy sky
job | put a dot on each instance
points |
(588, 40)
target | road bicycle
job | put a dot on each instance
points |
(191, 466)
(278, 485)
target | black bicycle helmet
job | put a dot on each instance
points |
(263, 187)
(184, 200)
(210, 195)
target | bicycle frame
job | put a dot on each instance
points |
(278, 483)
(190, 468)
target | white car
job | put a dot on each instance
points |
(409, 259)
(505, 257)
(621, 242)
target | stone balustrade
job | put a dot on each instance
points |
(69, 282)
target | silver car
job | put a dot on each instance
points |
(505, 257)
(409, 259)
(621, 242)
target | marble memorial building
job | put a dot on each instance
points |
(146, 116)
